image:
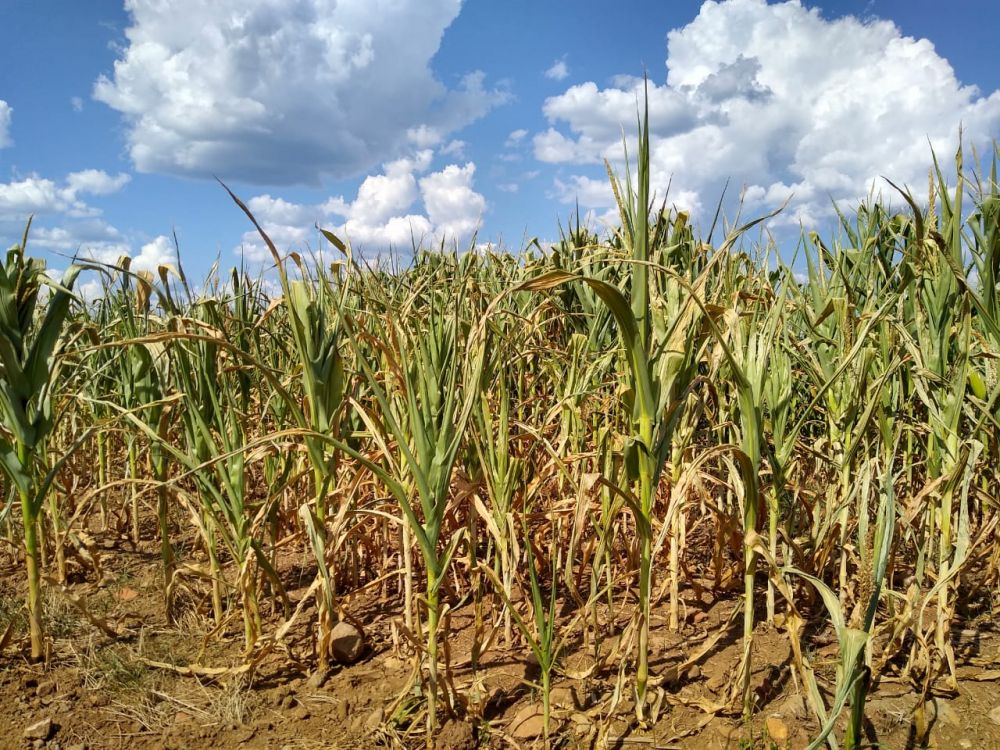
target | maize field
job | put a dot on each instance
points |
(648, 486)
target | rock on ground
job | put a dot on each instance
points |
(346, 643)
(41, 730)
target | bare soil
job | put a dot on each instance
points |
(99, 692)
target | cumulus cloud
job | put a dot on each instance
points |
(453, 207)
(285, 91)
(96, 182)
(65, 223)
(589, 192)
(558, 71)
(5, 114)
(96, 240)
(90, 286)
(405, 202)
(34, 194)
(158, 252)
(781, 100)
(72, 235)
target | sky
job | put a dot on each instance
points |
(460, 122)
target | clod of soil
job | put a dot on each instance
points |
(528, 723)
(456, 735)
(777, 730)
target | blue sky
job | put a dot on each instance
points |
(439, 118)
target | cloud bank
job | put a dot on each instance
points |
(783, 101)
(285, 91)
(404, 203)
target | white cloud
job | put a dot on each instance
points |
(280, 92)
(98, 241)
(6, 111)
(553, 146)
(402, 204)
(90, 286)
(590, 193)
(38, 195)
(559, 71)
(424, 136)
(515, 137)
(96, 182)
(64, 223)
(72, 235)
(108, 253)
(455, 149)
(453, 207)
(5, 115)
(159, 252)
(781, 100)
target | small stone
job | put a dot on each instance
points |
(777, 730)
(374, 720)
(716, 682)
(41, 730)
(45, 688)
(317, 678)
(994, 715)
(694, 672)
(699, 617)
(965, 744)
(528, 723)
(127, 594)
(346, 643)
(794, 707)
(300, 713)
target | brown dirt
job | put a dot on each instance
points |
(100, 693)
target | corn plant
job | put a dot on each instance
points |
(30, 366)
(435, 368)
(541, 631)
(659, 326)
